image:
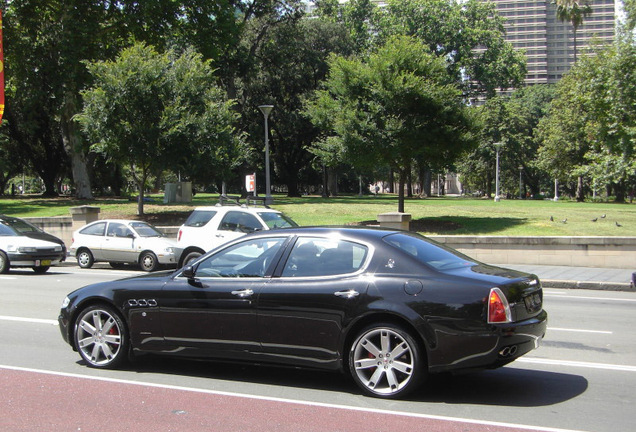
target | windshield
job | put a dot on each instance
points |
(425, 251)
(6, 230)
(146, 230)
(21, 226)
(275, 220)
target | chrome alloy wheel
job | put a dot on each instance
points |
(99, 337)
(385, 361)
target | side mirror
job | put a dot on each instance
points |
(188, 272)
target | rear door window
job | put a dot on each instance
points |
(97, 230)
(199, 218)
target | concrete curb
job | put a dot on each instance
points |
(590, 285)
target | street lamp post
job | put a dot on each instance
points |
(497, 197)
(266, 109)
(520, 182)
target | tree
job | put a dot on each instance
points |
(468, 35)
(292, 62)
(397, 106)
(573, 11)
(47, 42)
(154, 111)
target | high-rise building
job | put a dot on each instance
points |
(548, 43)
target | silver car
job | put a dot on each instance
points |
(121, 242)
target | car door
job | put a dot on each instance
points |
(302, 313)
(119, 244)
(92, 237)
(212, 311)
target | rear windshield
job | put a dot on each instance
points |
(276, 220)
(425, 251)
(198, 218)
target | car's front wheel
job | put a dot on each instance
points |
(100, 337)
(85, 258)
(4, 263)
(385, 361)
(41, 269)
(148, 262)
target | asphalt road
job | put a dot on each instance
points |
(582, 378)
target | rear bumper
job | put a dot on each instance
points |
(499, 345)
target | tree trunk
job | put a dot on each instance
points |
(72, 139)
(580, 195)
(402, 179)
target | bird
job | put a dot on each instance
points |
(564, 220)
(551, 219)
(594, 220)
(603, 216)
(618, 225)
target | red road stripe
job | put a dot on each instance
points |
(31, 402)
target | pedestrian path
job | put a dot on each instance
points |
(579, 277)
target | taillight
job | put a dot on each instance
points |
(498, 307)
(179, 236)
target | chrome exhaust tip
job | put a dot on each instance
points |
(508, 351)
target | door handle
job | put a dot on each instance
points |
(347, 294)
(243, 293)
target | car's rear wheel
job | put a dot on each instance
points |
(100, 337)
(85, 258)
(148, 262)
(190, 257)
(385, 361)
(4, 262)
(41, 269)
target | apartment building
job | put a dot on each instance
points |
(548, 43)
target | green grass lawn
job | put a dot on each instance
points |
(446, 216)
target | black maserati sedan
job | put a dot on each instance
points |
(388, 307)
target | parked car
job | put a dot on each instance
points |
(209, 227)
(22, 245)
(388, 307)
(120, 242)
(28, 229)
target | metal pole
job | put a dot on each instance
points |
(266, 109)
(497, 198)
(520, 182)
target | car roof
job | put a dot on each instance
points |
(360, 232)
(123, 221)
(236, 207)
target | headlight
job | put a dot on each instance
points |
(58, 248)
(27, 249)
(169, 250)
(66, 302)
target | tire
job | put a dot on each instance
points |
(385, 361)
(148, 261)
(41, 269)
(4, 263)
(85, 258)
(100, 337)
(190, 257)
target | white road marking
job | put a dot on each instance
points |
(579, 330)
(29, 320)
(570, 363)
(292, 401)
(573, 297)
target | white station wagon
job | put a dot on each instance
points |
(123, 242)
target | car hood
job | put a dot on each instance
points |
(24, 241)
(44, 236)
(158, 243)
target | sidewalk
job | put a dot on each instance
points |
(579, 277)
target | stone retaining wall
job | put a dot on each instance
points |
(609, 252)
